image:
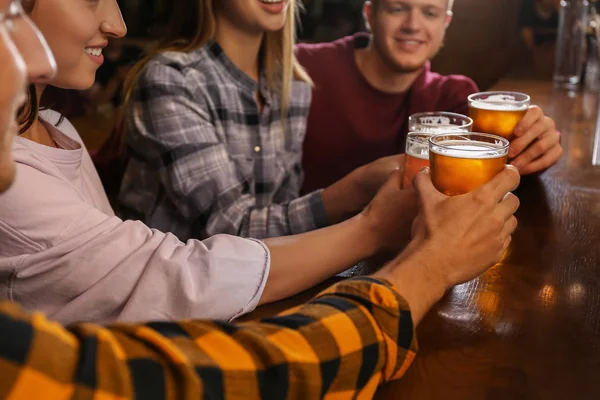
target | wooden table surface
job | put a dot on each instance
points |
(530, 327)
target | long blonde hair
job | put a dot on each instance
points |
(192, 24)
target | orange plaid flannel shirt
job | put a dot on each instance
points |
(342, 344)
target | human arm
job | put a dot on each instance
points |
(74, 262)
(346, 341)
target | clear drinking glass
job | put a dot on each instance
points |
(417, 156)
(498, 113)
(439, 122)
(461, 162)
(570, 46)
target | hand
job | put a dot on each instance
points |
(369, 178)
(465, 235)
(537, 145)
(390, 215)
(348, 196)
(455, 239)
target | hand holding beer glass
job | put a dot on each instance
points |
(421, 127)
(498, 113)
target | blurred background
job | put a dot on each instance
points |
(488, 40)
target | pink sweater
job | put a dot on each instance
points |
(63, 251)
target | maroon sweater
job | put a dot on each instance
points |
(351, 123)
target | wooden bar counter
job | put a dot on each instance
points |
(530, 327)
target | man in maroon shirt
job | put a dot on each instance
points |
(367, 85)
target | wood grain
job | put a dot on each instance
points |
(530, 327)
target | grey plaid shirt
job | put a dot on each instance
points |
(205, 160)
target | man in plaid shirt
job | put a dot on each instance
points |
(344, 343)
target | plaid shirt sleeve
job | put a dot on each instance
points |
(170, 131)
(344, 343)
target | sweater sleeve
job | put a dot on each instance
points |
(63, 256)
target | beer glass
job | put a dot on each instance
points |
(461, 162)
(417, 156)
(439, 122)
(498, 113)
(421, 126)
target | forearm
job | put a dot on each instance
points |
(302, 261)
(186, 360)
(138, 274)
(412, 277)
(342, 200)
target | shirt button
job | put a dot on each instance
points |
(257, 149)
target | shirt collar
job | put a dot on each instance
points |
(239, 76)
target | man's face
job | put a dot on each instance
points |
(408, 33)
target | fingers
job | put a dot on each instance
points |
(521, 143)
(531, 117)
(506, 245)
(418, 227)
(537, 149)
(425, 189)
(395, 179)
(510, 226)
(401, 162)
(394, 162)
(544, 162)
(509, 206)
(506, 181)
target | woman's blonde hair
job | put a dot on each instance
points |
(192, 24)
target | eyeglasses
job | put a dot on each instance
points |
(14, 11)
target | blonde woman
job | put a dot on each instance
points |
(216, 123)
(63, 251)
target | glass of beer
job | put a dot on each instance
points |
(498, 113)
(417, 156)
(461, 162)
(439, 122)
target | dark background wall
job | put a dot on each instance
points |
(482, 42)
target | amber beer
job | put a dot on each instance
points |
(498, 113)
(421, 126)
(461, 163)
(417, 156)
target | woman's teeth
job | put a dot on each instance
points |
(271, 1)
(94, 52)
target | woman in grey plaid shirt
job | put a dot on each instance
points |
(216, 122)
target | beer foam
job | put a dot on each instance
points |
(418, 152)
(468, 149)
(499, 102)
(497, 106)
